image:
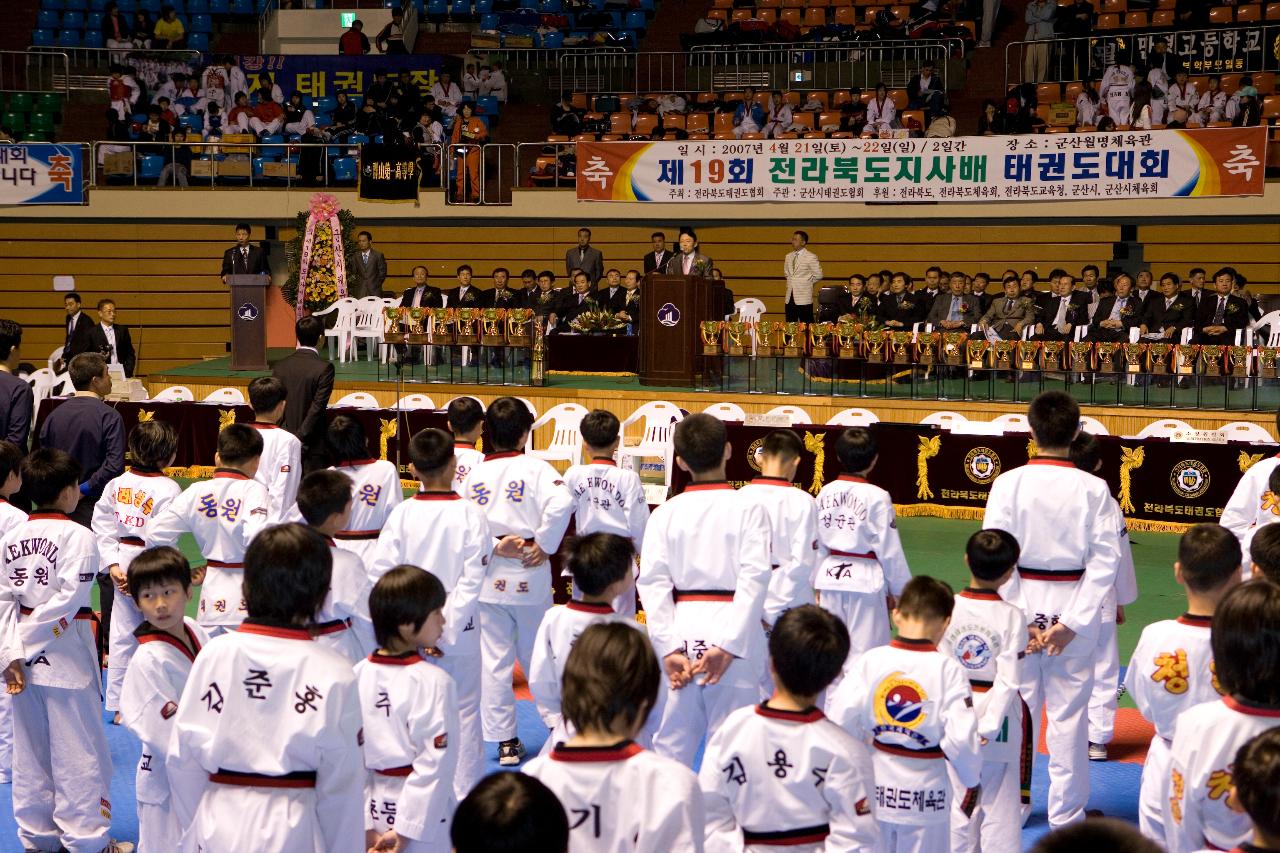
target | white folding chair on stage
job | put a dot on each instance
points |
(1013, 423)
(853, 418)
(416, 401)
(460, 396)
(62, 385)
(660, 419)
(566, 436)
(1246, 431)
(368, 328)
(726, 411)
(174, 394)
(1163, 428)
(946, 420)
(343, 327)
(225, 397)
(54, 358)
(42, 385)
(795, 414)
(749, 311)
(1093, 426)
(533, 410)
(357, 400)
(1271, 322)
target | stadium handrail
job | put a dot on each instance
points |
(28, 71)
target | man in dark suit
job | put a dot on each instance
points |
(981, 282)
(610, 294)
(585, 257)
(112, 339)
(16, 397)
(1061, 310)
(243, 258)
(421, 294)
(954, 309)
(1221, 314)
(900, 309)
(689, 261)
(1170, 312)
(502, 295)
(629, 306)
(368, 268)
(575, 302)
(77, 338)
(466, 294)
(657, 259)
(547, 298)
(1117, 313)
(308, 382)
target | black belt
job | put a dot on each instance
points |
(396, 771)
(980, 686)
(297, 779)
(788, 837)
(84, 613)
(931, 752)
(1052, 575)
(356, 535)
(133, 540)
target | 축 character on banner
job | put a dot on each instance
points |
(40, 173)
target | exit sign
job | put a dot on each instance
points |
(348, 18)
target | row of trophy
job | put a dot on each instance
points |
(847, 340)
(496, 327)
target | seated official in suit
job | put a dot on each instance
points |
(610, 293)
(1009, 314)
(502, 296)
(547, 298)
(629, 308)
(1170, 312)
(1116, 314)
(112, 339)
(466, 294)
(899, 308)
(574, 303)
(421, 294)
(1221, 314)
(978, 288)
(1061, 310)
(308, 383)
(953, 309)
(244, 258)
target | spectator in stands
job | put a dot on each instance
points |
(882, 115)
(1140, 109)
(566, 119)
(469, 133)
(991, 120)
(154, 129)
(888, 24)
(671, 102)
(954, 309)
(428, 131)
(1061, 310)
(749, 116)
(297, 118)
(779, 119)
(167, 115)
(112, 340)
(1211, 106)
(178, 158)
(77, 338)
(1075, 21)
(343, 118)
(1165, 316)
(170, 87)
(1195, 285)
(115, 31)
(124, 92)
(268, 115)
(223, 80)
(354, 42)
(585, 257)
(493, 82)
(1223, 314)
(1118, 82)
(447, 94)
(142, 31)
(1039, 16)
(268, 87)
(1181, 99)
(379, 91)
(656, 259)
(1169, 64)
(470, 81)
(926, 92)
(875, 283)
(1248, 111)
(1087, 106)
(391, 39)
(170, 34)
(213, 122)
(629, 307)
(410, 94)
(190, 99)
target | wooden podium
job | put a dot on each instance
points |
(672, 309)
(248, 321)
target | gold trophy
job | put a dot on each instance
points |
(1004, 353)
(792, 340)
(1027, 354)
(735, 332)
(1133, 357)
(710, 330)
(392, 333)
(819, 333)
(876, 345)
(765, 338)
(953, 347)
(466, 325)
(518, 332)
(1238, 358)
(975, 352)
(1106, 356)
(1185, 358)
(1051, 354)
(442, 326)
(926, 347)
(1158, 358)
(847, 334)
(416, 333)
(491, 327)
(1267, 360)
(1079, 355)
(900, 342)
(1211, 357)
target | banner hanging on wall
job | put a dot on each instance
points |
(41, 173)
(1059, 166)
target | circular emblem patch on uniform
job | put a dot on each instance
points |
(1190, 478)
(899, 702)
(973, 651)
(753, 453)
(981, 465)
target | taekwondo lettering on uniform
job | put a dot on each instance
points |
(735, 772)
(1172, 671)
(384, 703)
(819, 776)
(1218, 783)
(307, 700)
(388, 811)
(213, 698)
(1043, 621)
(911, 799)
(779, 764)
(480, 494)
(515, 491)
(369, 494)
(581, 815)
(256, 684)
(855, 510)
(699, 649)
(145, 763)
(613, 495)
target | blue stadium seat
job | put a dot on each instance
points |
(191, 122)
(197, 7)
(150, 166)
(242, 7)
(275, 146)
(69, 38)
(343, 170)
(484, 7)
(53, 5)
(257, 165)
(550, 6)
(487, 105)
(93, 38)
(42, 38)
(219, 7)
(460, 10)
(357, 139)
(128, 7)
(555, 38)
(634, 20)
(93, 21)
(73, 20)
(377, 139)
(48, 19)
(324, 104)
(78, 5)
(151, 7)
(437, 11)
(647, 6)
(178, 6)
(204, 24)
(488, 21)
(198, 41)
(94, 5)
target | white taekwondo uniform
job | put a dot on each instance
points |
(279, 468)
(609, 499)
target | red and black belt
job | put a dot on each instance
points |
(356, 535)
(930, 752)
(788, 837)
(980, 686)
(333, 626)
(297, 779)
(1051, 575)
(396, 771)
(135, 541)
(84, 613)
(680, 595)
(219, 564)
(869, 555)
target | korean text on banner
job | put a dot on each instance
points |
(41, 173)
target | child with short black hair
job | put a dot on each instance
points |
(269, 722)
(510, 813)
(410, 717)
(1253, 501)
(437, 528)
(1109, 834)
(704, 576)
(1268, 514)
(919, 754)
(280, 465)
(601, 565)
(1245, 640)
(861, 564)
(466, 422)
(527, 508)
(223, 514)
(607, 499)
(1172, 666)
(342, 624)
(122, 519)
(375, 487)
(10, 517)
(1255, 789)
(819, 772)
(61, 763)
(1264, 552)
(624, 791)
(988, 637)
(159, 581)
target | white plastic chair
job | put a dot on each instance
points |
(795, 413)
(416, 401)
(460, 396)
(343, 328)
(1246, 431)
(62, 385)
(357, 400)
(749, 311)
(1093, 426)
(42, 382)
(225, 396)
(368, 327)
(944, 419)
(533, 410)
(726, 411)
(1271, 320)
(54, 358)
(566, 437)
(660, 419)
(1164, 428)
(1013, 423)
(174, 394)
(852, 418)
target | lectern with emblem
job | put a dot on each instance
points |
(248, 321)
(672, 309)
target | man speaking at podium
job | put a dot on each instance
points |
(689, 261)
(243, 258)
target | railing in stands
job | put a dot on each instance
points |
(86, 68)
(517, 59)
(30, 71)
(1086, 57)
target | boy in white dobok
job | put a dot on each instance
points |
(1070, 531)
(375, 487)
(223, 514)
(10, 517)
(704, 575)
(1172, 666)
(607, 499)
(269, 722)
(988, 638)
(410, 718)
(466, 422)
(780, 773)
(159, 580)
(1255, 789)
(619, 796)
(1252, 503)
(528, 509)
(439, 529)
(280, 465)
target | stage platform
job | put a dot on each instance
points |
(622, 394)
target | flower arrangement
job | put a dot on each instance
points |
(596, 322)
(324, 238)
